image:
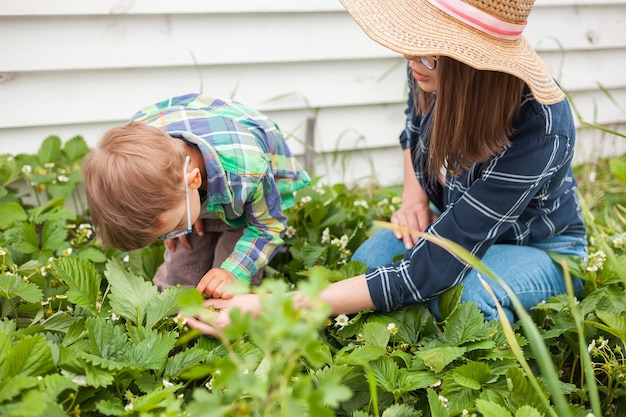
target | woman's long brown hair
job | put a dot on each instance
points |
(473, 115)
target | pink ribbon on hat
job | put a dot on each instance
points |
(479, 19)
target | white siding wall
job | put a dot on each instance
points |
(76, 67)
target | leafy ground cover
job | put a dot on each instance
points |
(84, 332)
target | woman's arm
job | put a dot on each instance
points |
(414, 213)
(348, 296)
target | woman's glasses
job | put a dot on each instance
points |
(429, 61)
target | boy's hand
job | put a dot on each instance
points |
(213, 284)
(247, 303)
(198, 227)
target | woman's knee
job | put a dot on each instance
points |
(380, 249)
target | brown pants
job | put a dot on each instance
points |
(187, 267)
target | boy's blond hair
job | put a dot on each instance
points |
(131, 178)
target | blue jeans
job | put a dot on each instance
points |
(528, 270)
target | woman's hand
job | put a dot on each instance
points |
(416, 216)
(246, 303)
(415, 213)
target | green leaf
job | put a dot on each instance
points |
(617, 167)
(130, 294)
(339, 370)
(50, 150)
(611, 299)
(316, 213)
(163, 304)
(489, 409)
(13, 286)
(82, 278)
(75, 333)
(52, 210)
(105, 338)
(339, 216)
(29, 357)
(331, 391)
(53, 234)
(328, 274)
(353, 268)
(5, 345)
(375, 334)
(361, 355)
(111, 407)
(23, 238)
(12, 387)
(480, 345)
(155, 400)
(414, 380)
(309, 254)
(98, 377)
(412, 322)
(31, 405)
(465, 324)
(62, 190)
(401, 410)
(386, 372)
(197, 372)
(527, 411)
(27, 268)
(615, 323)
(449, 301)
(522, 392)
(9, 328)
(116, 364)
(9, 170)
(92, 254)
(184, 360)
(437, 407)
(472, 375)
(399, 381)
(59, 322)
(11, 213)
(76, 148)
(149, 347)
(208, 404)
(55, 384)
(572, 263)
(151, 259)
(438, 358)
(189, 301)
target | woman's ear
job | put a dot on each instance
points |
(194, 178)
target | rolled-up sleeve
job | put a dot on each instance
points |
(265, 224)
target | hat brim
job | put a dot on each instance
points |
(419, 28)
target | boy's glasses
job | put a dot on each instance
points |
(181, 232)
(429, 62)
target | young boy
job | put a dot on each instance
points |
(192, 160)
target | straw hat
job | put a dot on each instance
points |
(484, 34)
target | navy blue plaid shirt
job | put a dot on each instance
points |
(523, 195)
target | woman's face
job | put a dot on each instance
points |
(426, 78)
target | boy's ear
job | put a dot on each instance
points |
(194, 178)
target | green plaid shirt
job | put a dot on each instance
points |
(251, 172)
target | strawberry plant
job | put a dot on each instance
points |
(83, 331)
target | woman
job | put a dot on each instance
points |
(488, 146)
